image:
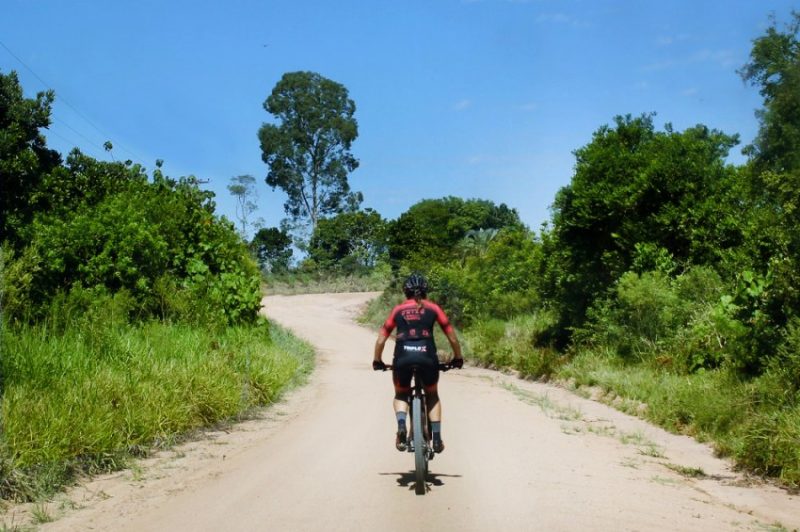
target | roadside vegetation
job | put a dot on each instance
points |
(129, 310)
(667, 277)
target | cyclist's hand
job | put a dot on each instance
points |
(378, 365)
(457, 363)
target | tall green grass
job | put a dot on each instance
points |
(318, 282)
(750, 420)
(88, 396)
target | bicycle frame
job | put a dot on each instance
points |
(420, 434)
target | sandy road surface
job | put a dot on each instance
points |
(520, 456)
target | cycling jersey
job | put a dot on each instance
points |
(414, 344)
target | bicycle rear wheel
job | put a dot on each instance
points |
(420, 448)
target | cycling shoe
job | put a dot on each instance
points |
(400, 441)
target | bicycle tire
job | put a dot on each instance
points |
(420, 449)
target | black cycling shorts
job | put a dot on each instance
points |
(418, 354)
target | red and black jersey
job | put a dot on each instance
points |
(414, 322)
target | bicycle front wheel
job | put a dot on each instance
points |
(420, 448)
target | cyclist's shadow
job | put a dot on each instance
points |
(408, 479)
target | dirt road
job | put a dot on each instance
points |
(520, 456)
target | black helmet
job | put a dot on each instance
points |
(415, 286)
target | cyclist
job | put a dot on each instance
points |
(415, 319)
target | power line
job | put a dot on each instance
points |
(84, 137)
(61, 98)
(62, 137)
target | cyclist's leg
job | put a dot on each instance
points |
(402, 388)
(434, 403)
(402, 392)
(430, 376)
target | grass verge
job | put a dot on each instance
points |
(88, 398)
(322, 282)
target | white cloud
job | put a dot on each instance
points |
(530, 106)
(561, 18)
(462, 104)
(691, 91)
(723, 58)
(668, 40)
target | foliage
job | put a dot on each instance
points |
(350, 242)
(634, 186)
(315, 281)
(273, 249)
(308, 152)
(242, 187)
(137, 240)
(498, 280)
(430, 231)
(510, 344)
(107, 227)
(774, 67)
(684, 324)
(24, 157)
(89, 393)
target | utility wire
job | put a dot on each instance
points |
(62, 137)
(66, 102)
(84, 137)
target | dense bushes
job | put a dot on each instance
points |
(494, 276)
(682, 324)
(149, 240)
(129, 310)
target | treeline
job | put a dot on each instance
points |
(662, 262)
(80, 225)
(129, 309)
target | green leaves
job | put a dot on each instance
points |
(308, 152)
(640, 199)
(431, 230)
(24, 158)
(350, 242)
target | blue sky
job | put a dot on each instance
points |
(472, 98)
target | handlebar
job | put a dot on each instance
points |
(442, 367)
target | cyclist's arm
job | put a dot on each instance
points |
(384, 333)
(449, 331)
(453, 339)
(379, 343)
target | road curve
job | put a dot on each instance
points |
(520, 456)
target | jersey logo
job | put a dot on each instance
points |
(416, 348)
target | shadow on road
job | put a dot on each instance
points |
(408, 479)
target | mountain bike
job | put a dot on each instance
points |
(420, 437)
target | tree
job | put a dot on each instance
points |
(768, 297)
(273, 249)
(349, 241)
(775, 67)
(243, 188)
(430, 231)
(637, 190)
(308, 152)
(24, 156)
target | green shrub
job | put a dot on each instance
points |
(787, 362)
(769, 444)
(499, 344)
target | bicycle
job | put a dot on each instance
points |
(420, 436)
